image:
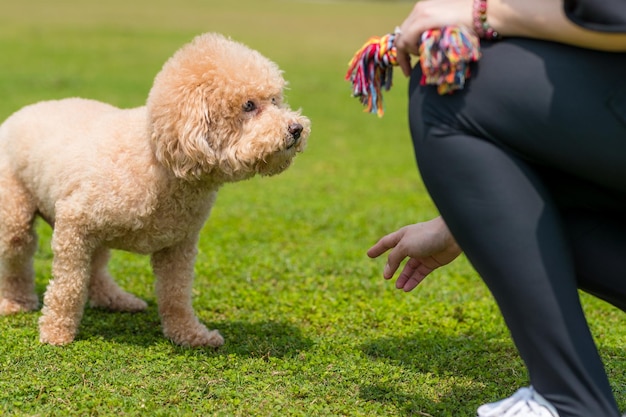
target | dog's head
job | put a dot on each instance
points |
(216, 110)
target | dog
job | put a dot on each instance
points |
(141, 180)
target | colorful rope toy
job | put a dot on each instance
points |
(444, 55)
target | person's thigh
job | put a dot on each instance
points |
(555, 106)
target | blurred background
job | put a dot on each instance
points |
(311, 327)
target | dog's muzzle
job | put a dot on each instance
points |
(295, 130)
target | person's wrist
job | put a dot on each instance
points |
(479, 19)
(450, 244)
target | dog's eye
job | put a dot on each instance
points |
(249, 106)
(274, 101)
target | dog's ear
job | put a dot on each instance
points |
(180, 127)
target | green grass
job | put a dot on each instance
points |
(311, 327)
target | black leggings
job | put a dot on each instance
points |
(527, 165)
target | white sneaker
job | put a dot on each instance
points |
(526, 402)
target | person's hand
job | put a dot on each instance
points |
(428, 14)
(429, 245)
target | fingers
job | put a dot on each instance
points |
(404, 61)
(403, 57)
(395, 257)
(412, 275)
(389, 271)
(384, 244)
(407, 41)
(409, 284)
(405, 277)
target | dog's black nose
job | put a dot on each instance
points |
(295, 129)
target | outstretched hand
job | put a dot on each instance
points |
(429, 245)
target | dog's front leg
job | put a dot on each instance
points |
(173, 268)
(66, 294)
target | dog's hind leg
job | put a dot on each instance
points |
(173, 268)
(103, 290)
(18, 243)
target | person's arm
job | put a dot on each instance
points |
(547, 20)
(537, 19)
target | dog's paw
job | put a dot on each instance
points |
(8, 306)
(54, 333)
(197, 336)
(56, 339)
(215, 339)
(121, 301)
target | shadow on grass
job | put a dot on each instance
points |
(453, 375)
(260, 339)
(141, 329)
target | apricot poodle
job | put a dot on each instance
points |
(141, 180)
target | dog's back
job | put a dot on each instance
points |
(44, 129)
(54, 148)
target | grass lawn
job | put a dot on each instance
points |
(311, 328)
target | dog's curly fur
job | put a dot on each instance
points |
(141, 180)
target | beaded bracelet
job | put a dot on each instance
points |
(481, 26)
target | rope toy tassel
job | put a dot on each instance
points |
(371, 70)
(445, 57)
